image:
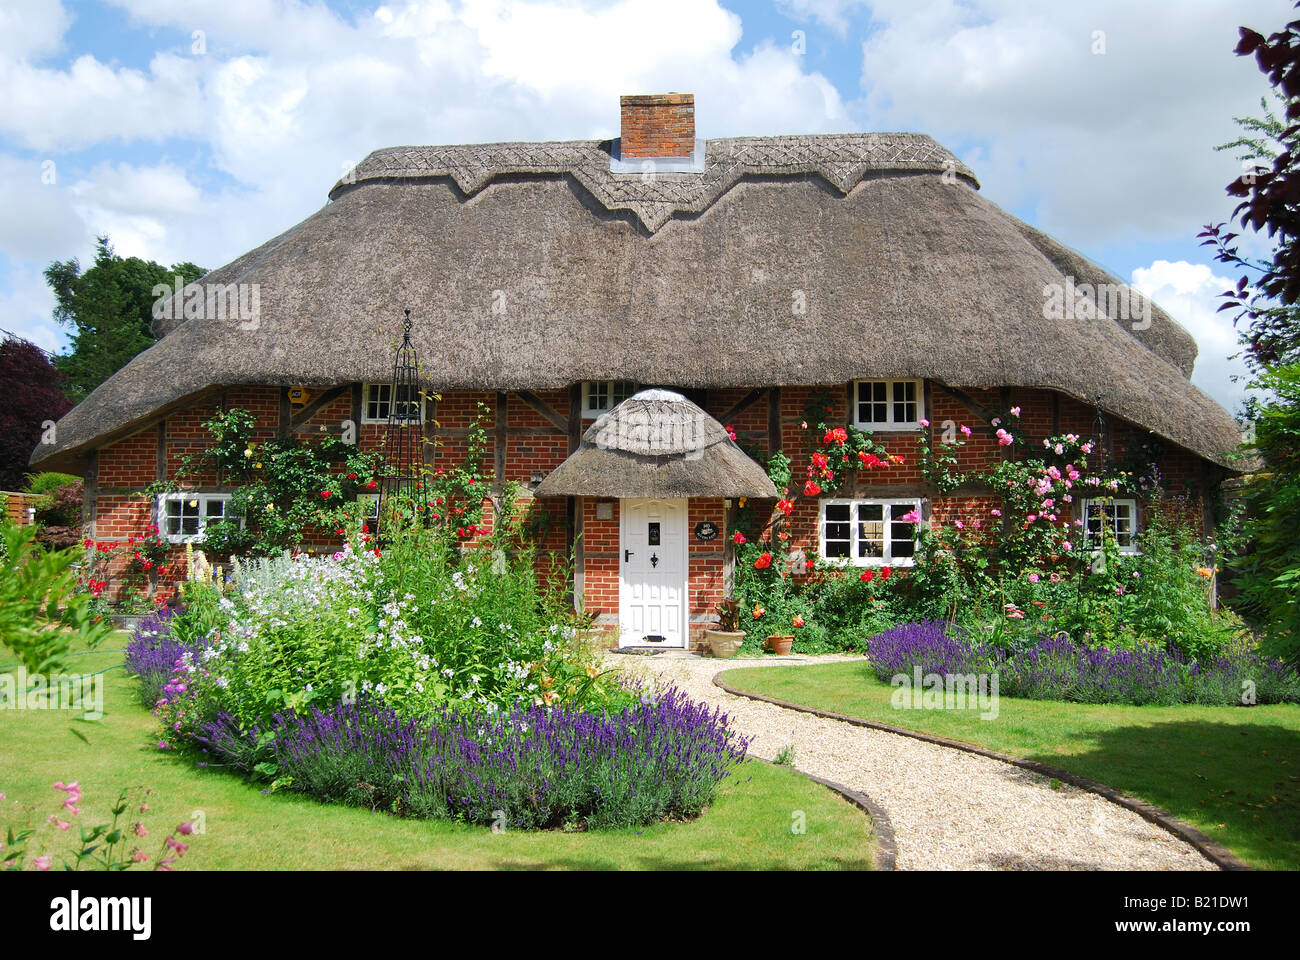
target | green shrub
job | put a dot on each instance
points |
(41, 610)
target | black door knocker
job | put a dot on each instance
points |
(654, 560)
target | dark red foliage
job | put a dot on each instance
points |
(32, 395)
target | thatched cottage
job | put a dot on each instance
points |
(743, 278)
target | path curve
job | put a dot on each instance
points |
(950, 810)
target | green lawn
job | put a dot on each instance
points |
(1233, 772)
(748, 826)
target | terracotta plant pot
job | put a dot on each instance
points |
(724, 643)
(780, 644)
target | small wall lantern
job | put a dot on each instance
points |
(604, 510)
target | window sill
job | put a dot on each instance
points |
(869, 564)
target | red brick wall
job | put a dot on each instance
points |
(131, 462)
(600, 559)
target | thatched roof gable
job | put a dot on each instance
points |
(790, 261)
(657, 443)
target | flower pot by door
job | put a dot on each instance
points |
(724, 643)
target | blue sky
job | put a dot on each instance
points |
(1094, 121)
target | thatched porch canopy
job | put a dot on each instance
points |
(657, 443)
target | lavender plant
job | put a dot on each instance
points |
(1059, 668)
(532, 767)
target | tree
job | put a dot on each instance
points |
(1267, 297)
(34, 397)
(110, 308)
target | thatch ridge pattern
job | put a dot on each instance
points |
(842, 160)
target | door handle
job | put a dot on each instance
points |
(627, 555)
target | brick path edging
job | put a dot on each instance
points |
(881, 828)
(1209, 848)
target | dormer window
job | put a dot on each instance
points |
(888, 404)
(407, 404)
(601, 396)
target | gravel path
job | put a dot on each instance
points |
(950, 810)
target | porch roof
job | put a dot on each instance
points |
(657, 443)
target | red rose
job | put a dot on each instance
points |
(811, 489)
(738, 538)
(763, 562)
(867, 576)
(325, 494)
(886, 573)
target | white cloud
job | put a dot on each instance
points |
(833, 13)
(32, 30)
(1189, 292)
(27, 307)
(91, 102)
(1109, 145)
(288, 95)
(39, 220)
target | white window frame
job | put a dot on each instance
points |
(890, 423)
(366, 401)
(591, 413)
(1085, 505)
(203, 499)
(853, 559)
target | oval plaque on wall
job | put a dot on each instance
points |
(706, 530)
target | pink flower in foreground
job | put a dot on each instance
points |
(61, 824)
(139, 856)
(41, 863)
(1015, 411)
(185, 828)
(1033, 578)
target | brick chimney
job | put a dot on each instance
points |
(657, 125)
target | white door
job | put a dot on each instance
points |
(652, 583)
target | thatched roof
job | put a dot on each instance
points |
(656, 443)
(533, 266)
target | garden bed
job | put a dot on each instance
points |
(747, 826)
